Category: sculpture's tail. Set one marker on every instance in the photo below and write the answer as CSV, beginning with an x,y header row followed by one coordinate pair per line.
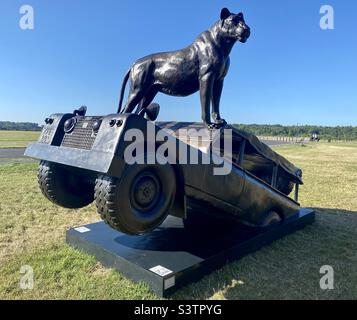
x,y
122,90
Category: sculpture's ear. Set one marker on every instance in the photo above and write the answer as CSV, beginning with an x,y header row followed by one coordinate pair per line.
x,y
225,13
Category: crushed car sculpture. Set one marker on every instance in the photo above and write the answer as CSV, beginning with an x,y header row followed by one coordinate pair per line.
x,y
82,159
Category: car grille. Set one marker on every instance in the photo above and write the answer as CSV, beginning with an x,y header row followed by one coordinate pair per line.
x,y
82,136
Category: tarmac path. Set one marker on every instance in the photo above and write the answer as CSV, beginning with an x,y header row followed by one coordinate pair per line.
x,y
14,156
271,143
12,153
17,155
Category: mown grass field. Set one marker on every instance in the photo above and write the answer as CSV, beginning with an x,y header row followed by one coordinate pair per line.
x,y
17,139
32,233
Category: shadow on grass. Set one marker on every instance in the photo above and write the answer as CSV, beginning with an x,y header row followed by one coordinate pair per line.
x,y
289,268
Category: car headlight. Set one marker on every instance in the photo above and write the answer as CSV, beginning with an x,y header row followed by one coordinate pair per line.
x,y
96,126
69,125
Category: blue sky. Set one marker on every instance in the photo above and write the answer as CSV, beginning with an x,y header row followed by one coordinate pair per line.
x,y
290,71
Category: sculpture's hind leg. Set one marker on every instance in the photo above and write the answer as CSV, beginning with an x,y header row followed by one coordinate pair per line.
x,y
134,98
141,84
148,98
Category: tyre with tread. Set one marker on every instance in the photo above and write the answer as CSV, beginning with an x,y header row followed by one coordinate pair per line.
x,y
63,187
139,201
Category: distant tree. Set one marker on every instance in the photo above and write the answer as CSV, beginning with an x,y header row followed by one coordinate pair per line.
x,y
19,126
333,133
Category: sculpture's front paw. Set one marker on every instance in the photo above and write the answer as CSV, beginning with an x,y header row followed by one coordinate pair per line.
x,y
220,123
210,125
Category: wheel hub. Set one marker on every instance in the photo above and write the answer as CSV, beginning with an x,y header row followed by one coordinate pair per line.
x,y
145,192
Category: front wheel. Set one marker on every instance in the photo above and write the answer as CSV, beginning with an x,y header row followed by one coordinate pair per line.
x,y
139,201
63,187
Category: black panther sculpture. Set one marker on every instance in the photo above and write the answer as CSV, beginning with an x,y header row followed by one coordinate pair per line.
x,y
201,66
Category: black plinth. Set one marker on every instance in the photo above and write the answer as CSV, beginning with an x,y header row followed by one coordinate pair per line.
x,y
172,256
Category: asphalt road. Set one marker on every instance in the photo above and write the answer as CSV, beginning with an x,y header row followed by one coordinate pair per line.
x,y
12,153
275,142
19,153
14,156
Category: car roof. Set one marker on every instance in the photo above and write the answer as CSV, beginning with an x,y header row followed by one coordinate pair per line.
x,y
185,131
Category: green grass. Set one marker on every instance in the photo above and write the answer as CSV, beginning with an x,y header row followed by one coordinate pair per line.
x,y
32,233
17,139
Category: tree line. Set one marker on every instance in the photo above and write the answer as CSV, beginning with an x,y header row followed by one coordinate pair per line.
x,y
326,133
19,126
276,130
